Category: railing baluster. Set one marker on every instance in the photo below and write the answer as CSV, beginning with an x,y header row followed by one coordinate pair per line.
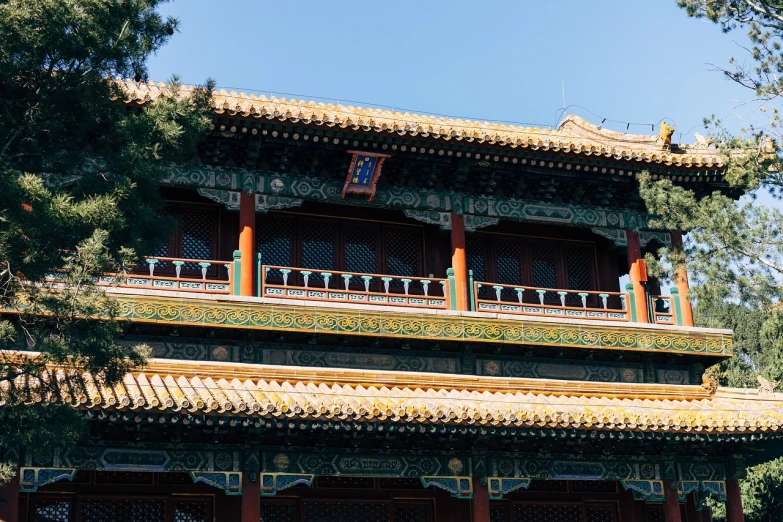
x,y
326,276
604,300
285,273
366,280
177,267
498,291
347,279
520,292
562,298
583,296
386,281
228,270
305,276
425,283
406,285
204,267
541,294
151,263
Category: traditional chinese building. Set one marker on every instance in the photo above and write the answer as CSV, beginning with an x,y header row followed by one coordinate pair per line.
x,y
378,316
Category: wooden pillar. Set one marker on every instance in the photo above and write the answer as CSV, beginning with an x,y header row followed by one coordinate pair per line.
x,y
734,502
690,509
247,240
9,509
671,503
251,497
681,281
458,260
637,273
480,503
632,510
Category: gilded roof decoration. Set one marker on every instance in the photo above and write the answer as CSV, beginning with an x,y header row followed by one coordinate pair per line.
x,y
212,388
573,134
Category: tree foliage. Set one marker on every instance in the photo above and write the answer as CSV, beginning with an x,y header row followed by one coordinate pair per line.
x,y
79,177
734,246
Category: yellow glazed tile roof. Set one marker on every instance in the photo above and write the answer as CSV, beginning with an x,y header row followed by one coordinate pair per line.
x,y
573,135
210,388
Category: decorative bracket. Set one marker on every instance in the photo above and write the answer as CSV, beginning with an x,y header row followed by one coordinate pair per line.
x,y
685,488
230,200
703,489
271,483
459,487
664,238
499,486
33,478
649,490
364,173
443,219
229,481
617,235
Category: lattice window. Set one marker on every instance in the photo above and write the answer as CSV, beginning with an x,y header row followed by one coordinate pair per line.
x,y
549,485
543,267
546,513
402,252
476,258
497,513
507,254
192,512
52,511
278,512
345,482
578,267
123,477
412,513
593,486
344,512
654,514
318,245
274,242
361,251
399,483
600,514
175,478
196,236
123,510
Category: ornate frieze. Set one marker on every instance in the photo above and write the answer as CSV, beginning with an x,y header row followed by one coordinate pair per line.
x,y
271,483
499,486
459,487
30,479
648,490
403,198
566,334
229,481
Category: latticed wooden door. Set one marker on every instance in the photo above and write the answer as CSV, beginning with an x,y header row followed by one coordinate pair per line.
x,y
553,512
346,511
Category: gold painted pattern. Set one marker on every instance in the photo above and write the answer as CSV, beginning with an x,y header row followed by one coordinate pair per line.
x,y
365,396
262,316
573,135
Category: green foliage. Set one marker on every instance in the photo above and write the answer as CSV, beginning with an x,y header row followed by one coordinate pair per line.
x,y
79,178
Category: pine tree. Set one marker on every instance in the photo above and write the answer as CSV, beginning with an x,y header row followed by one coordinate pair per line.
x,y
79,177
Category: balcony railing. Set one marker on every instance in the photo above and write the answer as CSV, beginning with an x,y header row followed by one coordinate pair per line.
x,y
170,276
550,302
353,287
662,309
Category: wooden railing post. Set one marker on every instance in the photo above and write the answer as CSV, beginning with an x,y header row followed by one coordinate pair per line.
x,y
247,239
459,260
237,271
637,273
681,280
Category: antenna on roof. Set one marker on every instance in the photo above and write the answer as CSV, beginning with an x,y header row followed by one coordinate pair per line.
x,y
562,85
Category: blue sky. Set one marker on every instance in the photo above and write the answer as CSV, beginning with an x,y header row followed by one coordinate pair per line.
x,y
497,60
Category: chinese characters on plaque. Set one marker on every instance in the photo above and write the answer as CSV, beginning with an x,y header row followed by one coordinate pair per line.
x,y
364,173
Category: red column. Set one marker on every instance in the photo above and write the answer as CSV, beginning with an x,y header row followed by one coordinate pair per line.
x,y
480,503
458,260
690,509
671,503
632,510
681,281
637,273
251,497
9,510
734,502
247,239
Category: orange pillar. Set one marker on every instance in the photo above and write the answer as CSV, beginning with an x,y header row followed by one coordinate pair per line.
x,y
637,273
251,497
480,503
671,504
9,509
681,281
734,502
458,260
247,240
